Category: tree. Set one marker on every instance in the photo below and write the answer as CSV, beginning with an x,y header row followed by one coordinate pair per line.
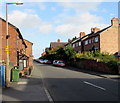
x,y
69,53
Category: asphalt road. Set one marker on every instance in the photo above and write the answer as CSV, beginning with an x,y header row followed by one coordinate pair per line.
x,y
68,85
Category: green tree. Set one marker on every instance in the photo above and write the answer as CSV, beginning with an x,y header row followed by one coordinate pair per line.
x,y
69,53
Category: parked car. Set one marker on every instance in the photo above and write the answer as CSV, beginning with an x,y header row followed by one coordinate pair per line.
x,y
54,62
45,61
41,60
49,62
59,63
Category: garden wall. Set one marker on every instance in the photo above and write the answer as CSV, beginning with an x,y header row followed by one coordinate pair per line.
x,y
94,66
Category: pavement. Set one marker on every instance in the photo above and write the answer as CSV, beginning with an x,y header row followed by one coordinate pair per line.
x,y
31,88
101,74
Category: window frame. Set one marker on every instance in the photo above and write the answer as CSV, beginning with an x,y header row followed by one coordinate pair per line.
x,y
96,39
86,42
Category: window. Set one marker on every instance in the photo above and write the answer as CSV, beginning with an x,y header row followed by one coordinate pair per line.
x,y
73,45
86,42
25,63
79,43
96,39
90,41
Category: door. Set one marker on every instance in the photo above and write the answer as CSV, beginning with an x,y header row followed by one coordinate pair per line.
x,y
21,65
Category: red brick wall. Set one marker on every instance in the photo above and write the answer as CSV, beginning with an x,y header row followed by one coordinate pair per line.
x,y
12,43
29,52
89,46
94,66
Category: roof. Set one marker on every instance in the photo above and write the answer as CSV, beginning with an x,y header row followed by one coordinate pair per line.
x,y
91,35
54,44
20,35
28,41
97,33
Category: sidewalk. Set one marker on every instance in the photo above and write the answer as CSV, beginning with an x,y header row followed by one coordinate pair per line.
x,y
104,75
27,89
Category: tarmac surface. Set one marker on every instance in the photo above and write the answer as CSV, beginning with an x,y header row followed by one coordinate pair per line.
x,y
32,88
27,89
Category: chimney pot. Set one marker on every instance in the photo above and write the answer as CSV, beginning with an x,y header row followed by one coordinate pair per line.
x,y
115,22
69,40
94,30
82,34
58,40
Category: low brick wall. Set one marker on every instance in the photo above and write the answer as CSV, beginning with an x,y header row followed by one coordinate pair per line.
x,y
93,65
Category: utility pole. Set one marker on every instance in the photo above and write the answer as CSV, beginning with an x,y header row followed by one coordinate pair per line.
x,y
7,70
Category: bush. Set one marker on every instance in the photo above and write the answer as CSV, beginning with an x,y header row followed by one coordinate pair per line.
x,y
105,58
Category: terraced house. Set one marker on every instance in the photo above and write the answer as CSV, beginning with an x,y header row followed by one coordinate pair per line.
x,y
105,40
18,47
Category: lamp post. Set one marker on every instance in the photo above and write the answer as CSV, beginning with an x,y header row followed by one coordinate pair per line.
x,y
7,71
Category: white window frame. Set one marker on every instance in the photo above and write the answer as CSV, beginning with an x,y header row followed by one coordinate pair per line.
x,y
90,41
96,39
25,63
73,45
79,43
86,42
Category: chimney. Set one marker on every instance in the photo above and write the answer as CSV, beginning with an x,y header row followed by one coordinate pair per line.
x,y
94,30
58,40
69,40
82,34
115,22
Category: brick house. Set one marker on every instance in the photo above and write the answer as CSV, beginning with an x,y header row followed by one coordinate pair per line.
x,y
17,46
55,44
105,40
29,52
78,43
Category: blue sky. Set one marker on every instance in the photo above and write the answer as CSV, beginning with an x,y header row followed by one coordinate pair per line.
x,y
45,22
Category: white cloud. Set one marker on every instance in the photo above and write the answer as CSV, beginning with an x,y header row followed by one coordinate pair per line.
x,y
81,6
83,22
29,11
53,8
42,6
45,28
24,20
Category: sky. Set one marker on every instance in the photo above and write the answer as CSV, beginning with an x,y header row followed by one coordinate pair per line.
x,y
45,21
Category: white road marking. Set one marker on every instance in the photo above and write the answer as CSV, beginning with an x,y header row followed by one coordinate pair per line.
x,y
46,91
94,85
48,95
22,83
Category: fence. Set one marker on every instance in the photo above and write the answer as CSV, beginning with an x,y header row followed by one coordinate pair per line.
x,y
2,75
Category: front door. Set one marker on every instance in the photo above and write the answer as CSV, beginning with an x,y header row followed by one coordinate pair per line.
x,y
21,65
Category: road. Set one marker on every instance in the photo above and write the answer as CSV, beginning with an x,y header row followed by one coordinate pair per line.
x,y
68,85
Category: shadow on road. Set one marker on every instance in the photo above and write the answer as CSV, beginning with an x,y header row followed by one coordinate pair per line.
x,y
28,89
62,88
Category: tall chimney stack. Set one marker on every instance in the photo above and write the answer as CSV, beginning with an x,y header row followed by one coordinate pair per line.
x,y
58,40
94,30
69,40
115,22
82,34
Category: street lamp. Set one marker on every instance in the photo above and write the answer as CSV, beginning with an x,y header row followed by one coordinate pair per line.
x,y
7,71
